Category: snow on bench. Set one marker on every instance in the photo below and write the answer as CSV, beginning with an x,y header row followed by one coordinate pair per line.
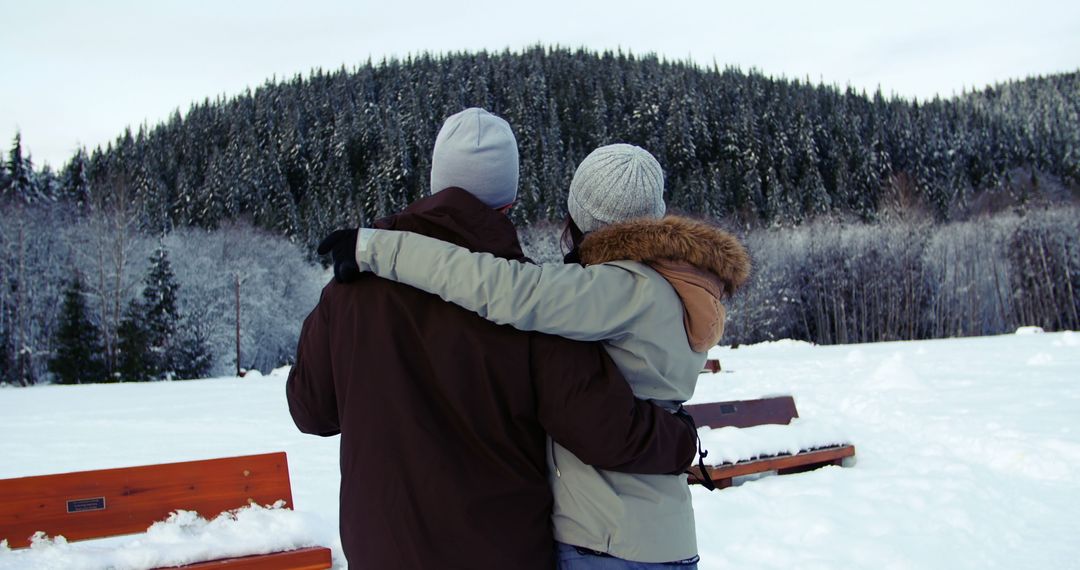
x,y
166,503
749,437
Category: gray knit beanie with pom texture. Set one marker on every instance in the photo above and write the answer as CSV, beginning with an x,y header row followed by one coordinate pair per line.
x,y
477,152
616,183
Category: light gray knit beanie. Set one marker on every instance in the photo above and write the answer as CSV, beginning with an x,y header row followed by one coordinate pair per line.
x,y
616,183
476,151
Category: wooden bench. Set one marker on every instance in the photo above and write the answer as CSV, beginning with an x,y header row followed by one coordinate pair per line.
x,y
748,413
113,502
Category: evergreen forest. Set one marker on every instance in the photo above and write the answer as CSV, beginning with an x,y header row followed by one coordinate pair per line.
x,y
869,216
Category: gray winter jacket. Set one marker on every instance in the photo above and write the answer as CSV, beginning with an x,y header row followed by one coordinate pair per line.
x,y
651,291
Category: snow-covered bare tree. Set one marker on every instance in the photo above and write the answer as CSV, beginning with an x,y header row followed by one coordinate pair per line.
x,y
278,289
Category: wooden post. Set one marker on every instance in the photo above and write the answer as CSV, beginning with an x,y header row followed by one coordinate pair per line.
x,y
237,276
20,310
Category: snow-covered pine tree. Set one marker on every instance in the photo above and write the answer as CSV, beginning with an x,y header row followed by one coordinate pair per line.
x,y
20,183
77,353
133,362
5,179
75,181
192,357
148,330
162,318
47,183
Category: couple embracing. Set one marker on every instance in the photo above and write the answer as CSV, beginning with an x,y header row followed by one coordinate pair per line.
x,y
496,413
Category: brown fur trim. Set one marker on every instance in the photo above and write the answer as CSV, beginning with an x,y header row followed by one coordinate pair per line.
x,y
673,237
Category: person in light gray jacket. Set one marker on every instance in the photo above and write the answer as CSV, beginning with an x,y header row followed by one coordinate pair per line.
x,y
647,285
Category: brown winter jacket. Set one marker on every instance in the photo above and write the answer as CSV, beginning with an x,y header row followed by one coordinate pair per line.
x,y
443,415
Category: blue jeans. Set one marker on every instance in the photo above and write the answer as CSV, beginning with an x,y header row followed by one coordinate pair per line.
x,y
574,558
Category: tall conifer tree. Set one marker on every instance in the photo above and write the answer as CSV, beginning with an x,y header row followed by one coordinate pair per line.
x,y
134,363
162,318
20,182
77,357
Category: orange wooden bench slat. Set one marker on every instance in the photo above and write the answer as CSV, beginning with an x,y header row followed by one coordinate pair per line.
x,y
312,558
111,502
778,410
803,461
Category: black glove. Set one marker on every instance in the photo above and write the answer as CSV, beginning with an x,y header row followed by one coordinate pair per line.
x,y
341,245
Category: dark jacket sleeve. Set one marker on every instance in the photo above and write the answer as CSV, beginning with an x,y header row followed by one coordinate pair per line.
x,y
310,388
587,406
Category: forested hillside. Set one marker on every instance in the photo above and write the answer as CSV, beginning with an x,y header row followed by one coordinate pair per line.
x,y
302,156
869,217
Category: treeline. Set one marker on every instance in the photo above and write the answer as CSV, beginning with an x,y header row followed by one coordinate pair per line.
x,y
89,297
912,280
869,217
305,155
832,282
908,280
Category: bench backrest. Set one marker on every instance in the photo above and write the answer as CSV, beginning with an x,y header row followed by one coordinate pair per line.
x,y
745,413
111,502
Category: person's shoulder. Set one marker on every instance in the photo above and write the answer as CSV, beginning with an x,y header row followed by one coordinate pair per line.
x,y
645,275
364,287
643,282
627,265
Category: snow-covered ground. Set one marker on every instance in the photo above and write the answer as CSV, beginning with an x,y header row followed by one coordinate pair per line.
x,y
968,453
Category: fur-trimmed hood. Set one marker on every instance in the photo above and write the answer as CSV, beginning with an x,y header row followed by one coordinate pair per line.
x,y
673,238
702,263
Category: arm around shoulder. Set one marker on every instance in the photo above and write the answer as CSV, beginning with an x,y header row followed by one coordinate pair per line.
x,y
582,303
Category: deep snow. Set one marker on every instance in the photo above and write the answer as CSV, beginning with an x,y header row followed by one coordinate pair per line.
x,y
968,450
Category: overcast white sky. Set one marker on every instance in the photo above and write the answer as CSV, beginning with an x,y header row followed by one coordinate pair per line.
x,y
76,72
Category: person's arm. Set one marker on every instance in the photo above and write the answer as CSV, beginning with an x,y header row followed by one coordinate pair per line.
x,y
587,407
310,387
598,302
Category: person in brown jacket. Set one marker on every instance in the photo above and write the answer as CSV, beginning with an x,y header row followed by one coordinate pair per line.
x,y
444,416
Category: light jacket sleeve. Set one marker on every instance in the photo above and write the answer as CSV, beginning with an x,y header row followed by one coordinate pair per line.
x,y
598,302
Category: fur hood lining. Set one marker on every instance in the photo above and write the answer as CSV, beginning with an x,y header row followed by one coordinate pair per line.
x,y
672,238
